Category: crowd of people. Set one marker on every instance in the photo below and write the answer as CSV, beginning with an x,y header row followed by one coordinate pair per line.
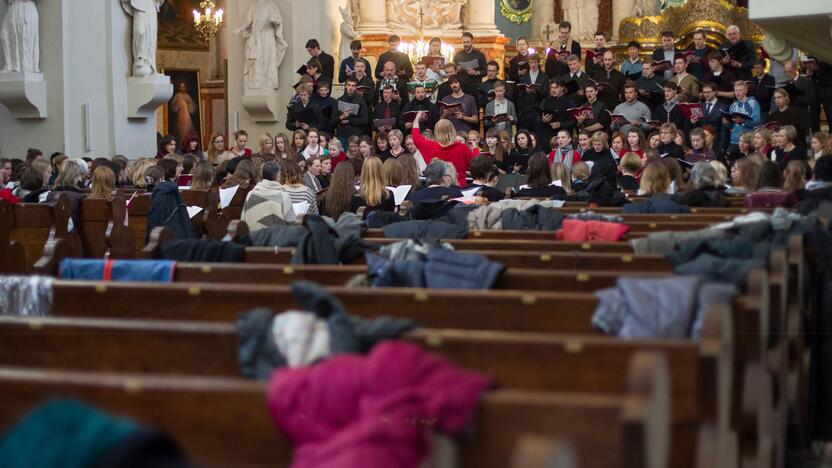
x,y
690,126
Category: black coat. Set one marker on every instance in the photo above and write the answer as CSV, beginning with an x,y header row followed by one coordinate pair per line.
x,y
167,209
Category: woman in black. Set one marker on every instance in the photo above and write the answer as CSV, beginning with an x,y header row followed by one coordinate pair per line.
x,y
518,160
600,159
786,150
539,181
786,114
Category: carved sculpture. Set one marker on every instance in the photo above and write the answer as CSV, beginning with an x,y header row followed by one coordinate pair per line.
x,y
265,47
348,33
19,38
145,27
430,14
583,14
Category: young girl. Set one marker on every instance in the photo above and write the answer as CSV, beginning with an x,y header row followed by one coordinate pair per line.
x,y
494,148
414,151
382,145
698,151
313,148
518,160
298,142
336,153
584,143
474,142
617,145
635,141
282,147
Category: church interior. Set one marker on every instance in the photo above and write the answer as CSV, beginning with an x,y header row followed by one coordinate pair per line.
x,y
416,233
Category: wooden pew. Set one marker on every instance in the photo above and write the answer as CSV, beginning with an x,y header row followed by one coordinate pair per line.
x,y
102,230
12,259
222,421
35,223
700,379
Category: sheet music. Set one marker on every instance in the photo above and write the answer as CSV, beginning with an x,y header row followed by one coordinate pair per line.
x,y
300,208
400,192
470,192
193,211
226,195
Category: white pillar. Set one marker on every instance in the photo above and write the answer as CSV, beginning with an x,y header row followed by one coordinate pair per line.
x,y
544,13
620,10
481,18
85,60
372,17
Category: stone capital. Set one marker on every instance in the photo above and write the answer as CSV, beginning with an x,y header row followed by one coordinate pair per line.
x,y
24,94
145,94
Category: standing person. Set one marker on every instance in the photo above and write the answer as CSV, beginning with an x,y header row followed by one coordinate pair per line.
x,y
722,78
650,87
468,117
745,115
420,102
576,76
445,147
740,54
763,85
518,65
631,66
398,85
470,74
422,79
347,68
801,94
669,111
613,78
435,68
688,86
601,118
313,148
403,68
530,91
821,75
698,64
560,51
388,108
593,60
326,103
313,47
554,115
666,53
500,106
349,123
366,85
787,114
303,114
486,92
712,110
637,113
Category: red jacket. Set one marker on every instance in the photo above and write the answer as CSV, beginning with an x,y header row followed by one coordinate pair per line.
x,y
457,154
336,160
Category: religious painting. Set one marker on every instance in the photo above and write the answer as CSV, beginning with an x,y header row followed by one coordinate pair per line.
x,y
516,11
176,26
183,113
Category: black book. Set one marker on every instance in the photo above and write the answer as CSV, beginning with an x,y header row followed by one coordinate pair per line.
x,y
737,51
572,87
306,115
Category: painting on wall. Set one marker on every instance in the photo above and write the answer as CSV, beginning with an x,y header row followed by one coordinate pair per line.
x,y
516,11
176,26
183,113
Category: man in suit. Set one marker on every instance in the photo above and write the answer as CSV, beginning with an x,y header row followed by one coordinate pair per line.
x,y
310,178
327,61
762,84
805,90
713,108
739,66
667,52
555,66
404,69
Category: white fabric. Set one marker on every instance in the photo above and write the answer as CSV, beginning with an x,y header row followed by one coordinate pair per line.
x,y
301,337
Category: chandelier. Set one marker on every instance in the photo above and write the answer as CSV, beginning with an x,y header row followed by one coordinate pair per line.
x,y
418,49
209,22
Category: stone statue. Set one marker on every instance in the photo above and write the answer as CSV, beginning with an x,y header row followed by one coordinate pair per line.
x,y
19,38
430,14
145,26
348,33
583,14
265,47
646,8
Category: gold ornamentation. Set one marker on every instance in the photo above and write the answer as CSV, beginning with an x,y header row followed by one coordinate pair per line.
x,y
516,11
712,16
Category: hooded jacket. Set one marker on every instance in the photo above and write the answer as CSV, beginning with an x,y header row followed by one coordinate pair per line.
x,y
168,209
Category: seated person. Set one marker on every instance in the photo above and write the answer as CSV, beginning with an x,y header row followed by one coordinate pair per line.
x,y
268,203
539,181
372,192
630,166
485,175
438,180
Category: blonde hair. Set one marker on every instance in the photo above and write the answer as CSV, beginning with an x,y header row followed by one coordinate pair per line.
x,y
263,138
560,171
600,137
393,172
630,162
137,174
372,187
721,173
444,132
103,183
580,170
71,173
794,176
655,179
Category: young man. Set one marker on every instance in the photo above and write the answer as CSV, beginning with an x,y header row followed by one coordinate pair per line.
x,y
666,52
498,106
631,67
763,85
471,77
712,108
346,123
637,113
518,65
466,119
387,108
575,75
403,67
600,47
347,67
613,78
601,120
326,103
303,114
420,102
486,92
313,47
366,85
530,91
553,114
740,65
389,78
555,61
688,86
422,79
698,64
669,111
650,87
745,105
444,88
722,78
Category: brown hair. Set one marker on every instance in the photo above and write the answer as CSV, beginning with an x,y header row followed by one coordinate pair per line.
x,y
203,176
794,177
103,183
747,174
655,179
340,192
244,174
290,173
540,175
410,170
392,172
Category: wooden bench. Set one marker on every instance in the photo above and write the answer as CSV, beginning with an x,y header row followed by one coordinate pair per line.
x,y
223,421
33,224
102,231
10,261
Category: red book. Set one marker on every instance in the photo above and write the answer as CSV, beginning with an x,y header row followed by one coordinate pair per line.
x,y
585,111
446,108
662,65
429,61
691,109
411,116
618,119
593,56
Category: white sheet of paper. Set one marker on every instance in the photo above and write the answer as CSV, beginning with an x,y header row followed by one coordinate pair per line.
x,y
227,194
193,211
557,183
400,192
300,208
590,164
470,192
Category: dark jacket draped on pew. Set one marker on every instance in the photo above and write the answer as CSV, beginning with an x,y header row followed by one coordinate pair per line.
x,y
168,209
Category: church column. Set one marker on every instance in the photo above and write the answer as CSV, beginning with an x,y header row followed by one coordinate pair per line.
x,y
372,17
481,17
544,14
620,10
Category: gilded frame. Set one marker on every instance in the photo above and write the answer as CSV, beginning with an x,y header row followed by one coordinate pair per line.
x,y
516,11
191,77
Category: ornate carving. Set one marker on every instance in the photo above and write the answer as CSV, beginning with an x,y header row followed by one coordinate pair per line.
x,y
710,15
516,11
